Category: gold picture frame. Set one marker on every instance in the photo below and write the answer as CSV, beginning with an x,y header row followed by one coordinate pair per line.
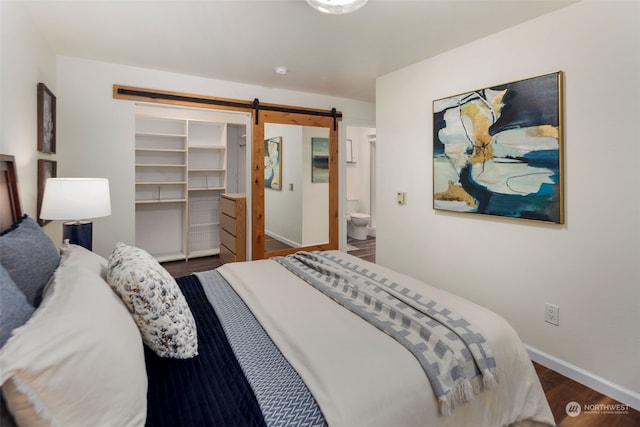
x,y
499,150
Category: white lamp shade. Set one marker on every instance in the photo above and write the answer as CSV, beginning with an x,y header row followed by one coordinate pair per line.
x,y
337,7
75,198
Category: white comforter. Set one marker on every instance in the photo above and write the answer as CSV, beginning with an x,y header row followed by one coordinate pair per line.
x,y
360,376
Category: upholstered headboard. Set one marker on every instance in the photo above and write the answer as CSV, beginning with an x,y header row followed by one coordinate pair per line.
x,y
10,207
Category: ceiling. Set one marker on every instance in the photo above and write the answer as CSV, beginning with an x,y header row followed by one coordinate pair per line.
x,y
244,40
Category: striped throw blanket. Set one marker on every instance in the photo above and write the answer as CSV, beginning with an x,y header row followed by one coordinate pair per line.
x,y
456,358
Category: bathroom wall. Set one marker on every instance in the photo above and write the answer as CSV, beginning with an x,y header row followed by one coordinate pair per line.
x,y
359,172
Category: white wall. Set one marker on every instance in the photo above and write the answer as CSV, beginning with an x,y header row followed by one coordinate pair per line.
x,y
96,131
25,61
298,213
283,208
315,199
590,266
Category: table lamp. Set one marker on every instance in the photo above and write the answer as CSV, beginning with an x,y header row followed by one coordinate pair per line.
x,y
76,200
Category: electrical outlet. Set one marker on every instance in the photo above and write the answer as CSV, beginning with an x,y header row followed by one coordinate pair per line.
x,y
552,314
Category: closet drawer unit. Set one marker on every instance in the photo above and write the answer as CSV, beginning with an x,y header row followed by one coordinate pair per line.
x,y
229,204
228,240
233,227
228,223
226,255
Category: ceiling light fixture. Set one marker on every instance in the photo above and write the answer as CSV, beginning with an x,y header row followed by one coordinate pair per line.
x,y
337,7
280,70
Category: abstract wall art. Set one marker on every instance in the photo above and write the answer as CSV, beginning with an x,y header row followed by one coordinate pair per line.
x,y
319,159
273,163
498,150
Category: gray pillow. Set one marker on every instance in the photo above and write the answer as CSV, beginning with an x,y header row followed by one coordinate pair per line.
x,y
14,308
29,256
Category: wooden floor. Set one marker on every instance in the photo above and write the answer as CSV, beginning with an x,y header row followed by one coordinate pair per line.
x,y
559,390
365,249
272,244
194,265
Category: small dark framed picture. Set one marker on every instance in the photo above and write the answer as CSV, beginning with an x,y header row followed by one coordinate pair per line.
x,y
46,169
46,119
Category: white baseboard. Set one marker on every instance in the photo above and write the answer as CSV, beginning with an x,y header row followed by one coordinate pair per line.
x,y
371,231
599,384
282,239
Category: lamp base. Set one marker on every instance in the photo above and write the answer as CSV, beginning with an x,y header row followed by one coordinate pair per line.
x,y
78,233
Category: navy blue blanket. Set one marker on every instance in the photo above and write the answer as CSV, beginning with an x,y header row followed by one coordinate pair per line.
x,y
208,390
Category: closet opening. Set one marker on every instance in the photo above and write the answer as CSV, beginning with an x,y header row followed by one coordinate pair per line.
x,y
322,155
185,160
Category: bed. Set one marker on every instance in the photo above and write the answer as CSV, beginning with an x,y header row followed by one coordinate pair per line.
x,y
280,342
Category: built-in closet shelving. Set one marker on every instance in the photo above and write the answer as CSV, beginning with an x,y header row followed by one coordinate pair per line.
x,y
207,171
180,172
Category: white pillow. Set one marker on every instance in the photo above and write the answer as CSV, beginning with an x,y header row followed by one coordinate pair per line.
x,y
155,302
79,360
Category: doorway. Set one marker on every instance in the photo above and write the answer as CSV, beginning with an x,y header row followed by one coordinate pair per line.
x,y
360,191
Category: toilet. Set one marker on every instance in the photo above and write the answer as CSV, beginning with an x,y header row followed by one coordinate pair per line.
x,y
357,224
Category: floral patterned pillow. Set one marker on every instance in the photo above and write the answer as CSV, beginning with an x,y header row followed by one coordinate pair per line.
x,y
155,301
